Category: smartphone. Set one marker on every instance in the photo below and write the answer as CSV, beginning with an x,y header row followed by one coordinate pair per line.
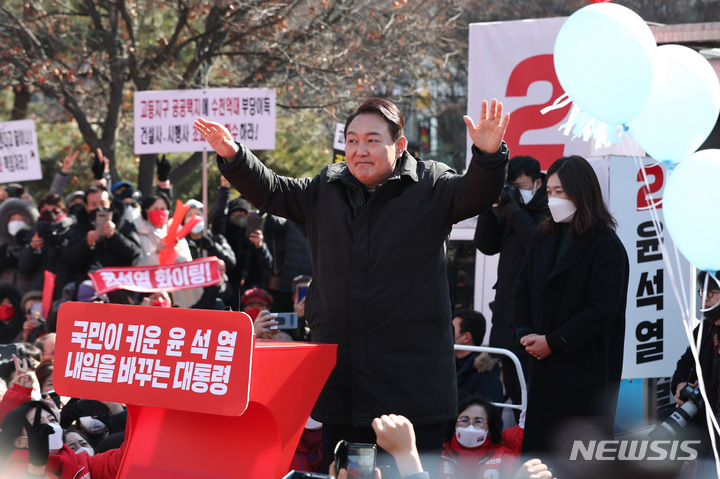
x,y
306,475
7,351
301,291
358,459
102,217
255,221
36,312
285,321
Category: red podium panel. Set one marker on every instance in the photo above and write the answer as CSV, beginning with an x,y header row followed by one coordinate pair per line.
x,y
165,442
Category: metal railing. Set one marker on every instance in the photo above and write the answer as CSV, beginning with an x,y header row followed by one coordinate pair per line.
x,y
515,360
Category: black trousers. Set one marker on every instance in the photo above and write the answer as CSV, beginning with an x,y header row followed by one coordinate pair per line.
x,y
428,439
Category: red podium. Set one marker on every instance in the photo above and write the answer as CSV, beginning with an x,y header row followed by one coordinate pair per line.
x,y
204,399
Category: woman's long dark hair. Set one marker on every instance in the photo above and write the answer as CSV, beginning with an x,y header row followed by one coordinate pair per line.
x,y
580,182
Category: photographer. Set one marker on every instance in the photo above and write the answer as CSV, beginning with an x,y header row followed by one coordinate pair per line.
x,y
46,248
686,374
507,228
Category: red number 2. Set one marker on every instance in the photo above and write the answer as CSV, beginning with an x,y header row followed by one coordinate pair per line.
x,y
528,71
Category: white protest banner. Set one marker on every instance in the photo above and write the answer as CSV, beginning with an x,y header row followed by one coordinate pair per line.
x,y
654,334
19,155
198,273
164,119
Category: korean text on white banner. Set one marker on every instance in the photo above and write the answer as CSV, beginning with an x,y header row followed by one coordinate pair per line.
x,y
513,62
164,119
19,156
654,334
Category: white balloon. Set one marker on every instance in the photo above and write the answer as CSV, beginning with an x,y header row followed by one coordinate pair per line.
x,y
690,204
683,105
603,61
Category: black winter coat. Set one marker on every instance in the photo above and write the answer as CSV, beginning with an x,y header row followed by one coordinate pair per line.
x,y
511,238
579,304
380,289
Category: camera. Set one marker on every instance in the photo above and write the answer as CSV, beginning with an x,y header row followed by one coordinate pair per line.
x,y
358,459
53,232
680,417
14,191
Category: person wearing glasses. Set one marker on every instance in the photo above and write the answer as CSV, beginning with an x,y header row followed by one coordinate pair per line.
x,y
686,373
475,448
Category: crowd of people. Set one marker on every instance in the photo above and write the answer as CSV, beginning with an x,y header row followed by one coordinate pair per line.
x,y
358,253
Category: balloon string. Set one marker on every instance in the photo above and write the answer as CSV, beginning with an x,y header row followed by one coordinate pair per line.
x,y
681,297
560,102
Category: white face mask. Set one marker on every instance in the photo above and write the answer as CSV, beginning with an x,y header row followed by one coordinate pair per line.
x,y
562,210
16,225
55,442
85,449
470,436
92,425
527,195
199,227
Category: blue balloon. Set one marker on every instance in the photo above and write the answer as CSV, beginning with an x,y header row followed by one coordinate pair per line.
x,y
684,81
603,60
690,204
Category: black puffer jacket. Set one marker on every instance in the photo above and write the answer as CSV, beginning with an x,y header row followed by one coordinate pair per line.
x,y
380,289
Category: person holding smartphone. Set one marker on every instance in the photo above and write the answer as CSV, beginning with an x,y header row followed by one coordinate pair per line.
x,y
98,237
34,324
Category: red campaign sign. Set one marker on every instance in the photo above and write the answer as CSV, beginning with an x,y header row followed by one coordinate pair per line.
x,y
198,273
184,359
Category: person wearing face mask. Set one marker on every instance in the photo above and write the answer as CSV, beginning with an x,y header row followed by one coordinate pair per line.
x,y
152,227
17,223
252,255
569,311
686,371
99,243
46,250
77,441
31,445
475,448
203,243
507,229
11,314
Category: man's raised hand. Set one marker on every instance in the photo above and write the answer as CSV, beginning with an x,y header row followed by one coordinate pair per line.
x,y
218,137
487,135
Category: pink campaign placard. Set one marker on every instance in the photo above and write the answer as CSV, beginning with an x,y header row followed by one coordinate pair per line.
x,y
198,273
185,359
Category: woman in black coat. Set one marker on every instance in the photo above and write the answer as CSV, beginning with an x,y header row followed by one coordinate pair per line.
x,y
569,309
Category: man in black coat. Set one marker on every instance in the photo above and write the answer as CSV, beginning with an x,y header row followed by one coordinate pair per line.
x,y
111,245
507,228
377,226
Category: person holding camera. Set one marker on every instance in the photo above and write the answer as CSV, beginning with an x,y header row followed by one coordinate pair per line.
x,y
507,229
17,224
684,383
377,227
47,246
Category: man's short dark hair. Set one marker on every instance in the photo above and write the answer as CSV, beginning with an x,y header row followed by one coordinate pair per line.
x,y
386,109
95,189
472,322
51,199
523,165
712,282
